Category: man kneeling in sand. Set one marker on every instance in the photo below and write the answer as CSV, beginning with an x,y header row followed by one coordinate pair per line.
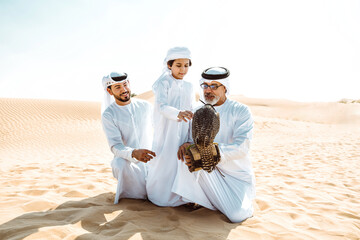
x,y
231,187
127,126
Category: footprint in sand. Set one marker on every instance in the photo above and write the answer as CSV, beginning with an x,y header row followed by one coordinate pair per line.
x,y
173,217
262,204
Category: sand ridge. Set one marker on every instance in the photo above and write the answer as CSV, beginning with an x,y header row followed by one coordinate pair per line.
x,y
56,180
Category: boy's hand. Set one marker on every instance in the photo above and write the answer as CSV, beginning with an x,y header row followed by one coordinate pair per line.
x,y
185,115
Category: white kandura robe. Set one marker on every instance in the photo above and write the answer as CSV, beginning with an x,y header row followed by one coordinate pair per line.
x,y
127,128
171,97
232,194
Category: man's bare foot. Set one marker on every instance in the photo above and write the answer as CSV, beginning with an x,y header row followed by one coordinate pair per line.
x,y
193,206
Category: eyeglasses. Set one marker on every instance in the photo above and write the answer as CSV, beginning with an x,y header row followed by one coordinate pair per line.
x,y
213,87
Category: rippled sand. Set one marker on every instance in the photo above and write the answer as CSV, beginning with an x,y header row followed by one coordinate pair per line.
x,y
56,180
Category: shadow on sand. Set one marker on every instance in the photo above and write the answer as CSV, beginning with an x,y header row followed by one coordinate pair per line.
x,y
99,218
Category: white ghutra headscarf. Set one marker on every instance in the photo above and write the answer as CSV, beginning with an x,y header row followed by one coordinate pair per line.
x,y
107,81
176,53
172,54
218,74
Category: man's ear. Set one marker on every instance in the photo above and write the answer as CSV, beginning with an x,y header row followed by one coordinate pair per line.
x,y
109,91
168,66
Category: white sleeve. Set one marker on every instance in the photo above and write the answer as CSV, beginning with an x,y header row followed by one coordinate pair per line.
x,y
161,96
242,135
114,138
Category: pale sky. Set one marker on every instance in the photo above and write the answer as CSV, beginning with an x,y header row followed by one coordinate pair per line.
x,y
306,50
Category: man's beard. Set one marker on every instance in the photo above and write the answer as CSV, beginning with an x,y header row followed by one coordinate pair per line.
x,y
212,102
123,99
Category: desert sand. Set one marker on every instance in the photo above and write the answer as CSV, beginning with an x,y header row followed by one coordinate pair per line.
x,y
56,180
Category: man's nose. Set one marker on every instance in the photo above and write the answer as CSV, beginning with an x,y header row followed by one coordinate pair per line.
x,y
208,89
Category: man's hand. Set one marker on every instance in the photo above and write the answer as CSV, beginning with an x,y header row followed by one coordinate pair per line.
x,y
143,155
188,160
185,115
182,151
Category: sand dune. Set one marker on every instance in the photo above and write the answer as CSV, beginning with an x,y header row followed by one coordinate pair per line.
x,y
56,180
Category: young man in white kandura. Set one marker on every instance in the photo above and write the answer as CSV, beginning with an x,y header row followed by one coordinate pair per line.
x,y
127,123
